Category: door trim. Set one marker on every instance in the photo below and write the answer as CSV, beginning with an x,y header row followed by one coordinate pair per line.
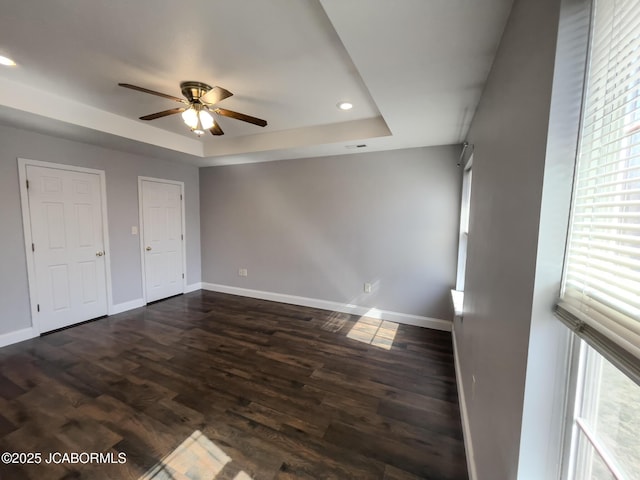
x,y
141,232
26,226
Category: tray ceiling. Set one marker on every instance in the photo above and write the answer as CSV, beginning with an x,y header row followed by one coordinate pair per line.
x,y
414,71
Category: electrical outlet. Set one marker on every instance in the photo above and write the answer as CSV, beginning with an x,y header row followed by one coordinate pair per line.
x,y
367,288
242,272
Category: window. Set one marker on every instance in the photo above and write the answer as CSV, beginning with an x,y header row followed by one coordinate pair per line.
x,y
600,298
607,422
601,291
465,206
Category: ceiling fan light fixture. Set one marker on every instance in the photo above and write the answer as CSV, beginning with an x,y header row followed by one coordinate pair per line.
x,y
206,120
190,117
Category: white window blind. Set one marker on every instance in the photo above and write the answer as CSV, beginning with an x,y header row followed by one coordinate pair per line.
x,y
601,285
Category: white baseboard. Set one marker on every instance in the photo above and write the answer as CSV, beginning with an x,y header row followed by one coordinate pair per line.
x,y
466,429
17,336
27,333
123,307
193,287
404,318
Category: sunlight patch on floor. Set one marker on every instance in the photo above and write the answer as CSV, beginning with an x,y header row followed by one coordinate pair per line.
x,y
335,322
196,458
374,331
242,476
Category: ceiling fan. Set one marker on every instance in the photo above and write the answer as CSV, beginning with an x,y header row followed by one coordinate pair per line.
x,y
200,99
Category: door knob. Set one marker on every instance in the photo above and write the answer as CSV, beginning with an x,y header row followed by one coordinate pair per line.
x,y
99,254
148,249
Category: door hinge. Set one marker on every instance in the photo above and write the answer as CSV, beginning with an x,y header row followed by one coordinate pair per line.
x,y
183,275
33,247
180,196
27,184
182,236
38,307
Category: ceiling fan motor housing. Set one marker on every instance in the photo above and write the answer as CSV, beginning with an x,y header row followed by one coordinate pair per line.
x,y
193,91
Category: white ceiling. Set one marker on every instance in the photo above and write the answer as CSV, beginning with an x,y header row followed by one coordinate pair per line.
x,y
414,70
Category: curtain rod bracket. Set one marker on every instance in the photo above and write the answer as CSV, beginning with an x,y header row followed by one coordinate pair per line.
x,y
465,145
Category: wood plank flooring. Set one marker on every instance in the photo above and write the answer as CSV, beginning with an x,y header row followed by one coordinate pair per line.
x,y
214,386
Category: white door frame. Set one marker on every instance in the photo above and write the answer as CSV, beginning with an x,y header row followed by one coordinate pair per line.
x,y
141,232
26,225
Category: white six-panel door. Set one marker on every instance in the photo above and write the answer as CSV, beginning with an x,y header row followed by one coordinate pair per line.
x,y
162,238
68,246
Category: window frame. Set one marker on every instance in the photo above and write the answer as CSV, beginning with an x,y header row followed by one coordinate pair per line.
x,y
585,345
465,216
583,359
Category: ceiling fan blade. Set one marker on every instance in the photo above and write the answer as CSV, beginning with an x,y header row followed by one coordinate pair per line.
x,y
241,116
164,113
152,92
215,95
216,130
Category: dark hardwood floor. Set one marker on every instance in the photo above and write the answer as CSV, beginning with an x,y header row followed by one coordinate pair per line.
x,y
214,386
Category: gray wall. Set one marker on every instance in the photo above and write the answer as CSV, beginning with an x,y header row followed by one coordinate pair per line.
x,y
322,227
122,170
509,132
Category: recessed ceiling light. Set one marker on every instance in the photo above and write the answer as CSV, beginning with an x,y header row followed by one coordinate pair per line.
x,y
7,61
345,106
